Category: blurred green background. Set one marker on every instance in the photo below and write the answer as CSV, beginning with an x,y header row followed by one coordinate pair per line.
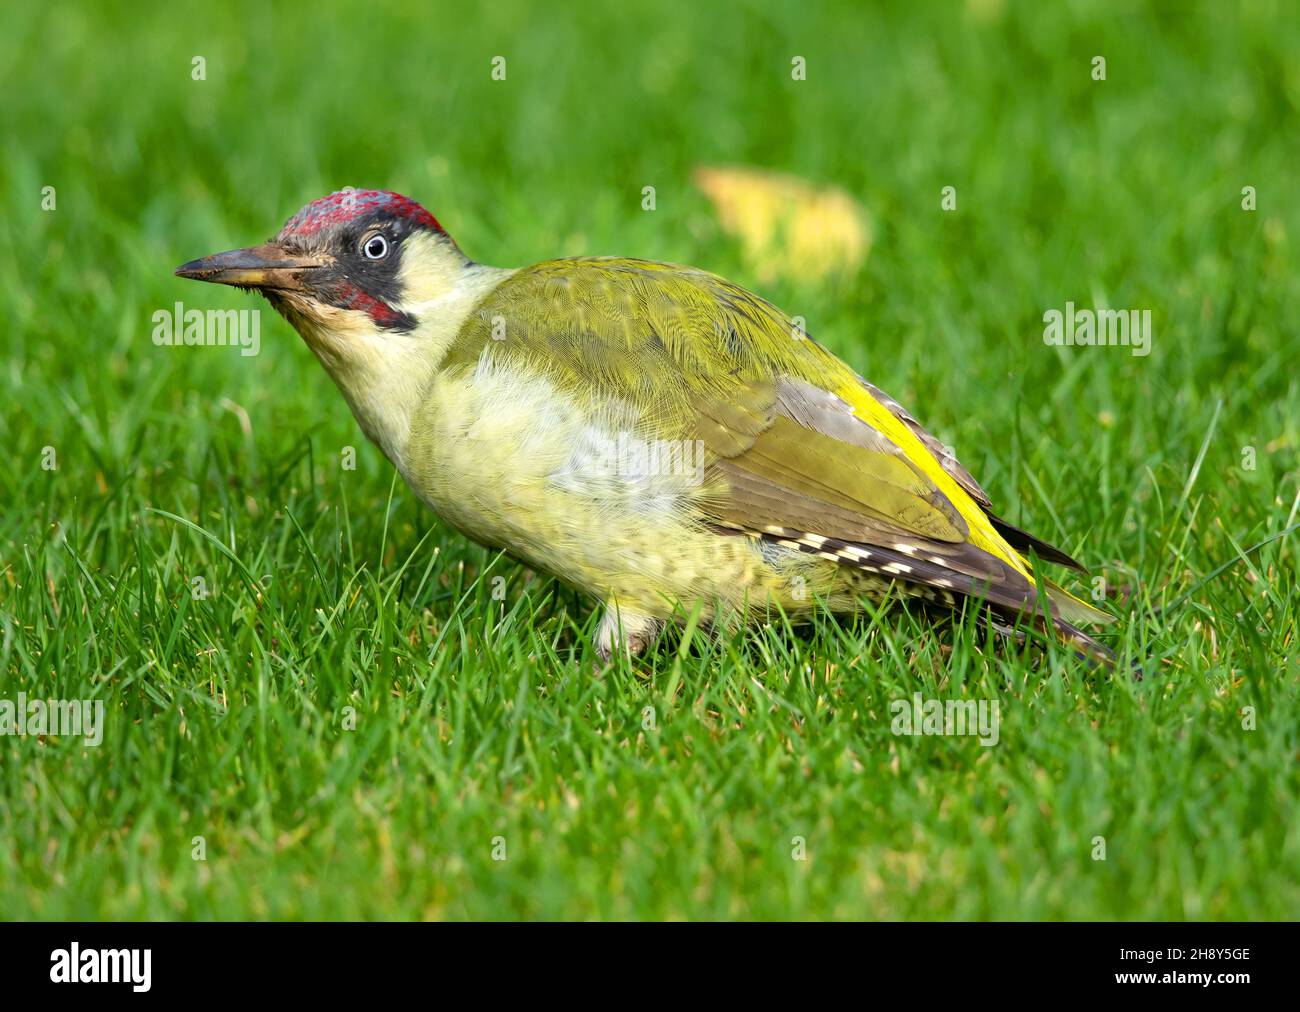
x,y
479,719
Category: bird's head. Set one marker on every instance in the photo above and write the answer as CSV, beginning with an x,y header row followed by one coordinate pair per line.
x,y
375,287
351,267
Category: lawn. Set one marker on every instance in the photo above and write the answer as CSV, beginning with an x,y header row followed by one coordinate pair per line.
x,y
318,701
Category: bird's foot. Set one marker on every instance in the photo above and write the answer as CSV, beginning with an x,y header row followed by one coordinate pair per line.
x,y
633,631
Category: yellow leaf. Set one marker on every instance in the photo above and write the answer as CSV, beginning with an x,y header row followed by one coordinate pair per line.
x,y
787,225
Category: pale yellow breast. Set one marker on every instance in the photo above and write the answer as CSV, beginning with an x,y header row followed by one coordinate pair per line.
x,y
585,493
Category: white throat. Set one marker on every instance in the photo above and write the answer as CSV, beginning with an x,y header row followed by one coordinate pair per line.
x,y
383,374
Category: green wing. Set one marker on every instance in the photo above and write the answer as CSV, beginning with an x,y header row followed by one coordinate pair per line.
x,y
799,448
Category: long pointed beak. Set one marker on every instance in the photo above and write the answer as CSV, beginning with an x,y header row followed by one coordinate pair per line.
x,y
267,266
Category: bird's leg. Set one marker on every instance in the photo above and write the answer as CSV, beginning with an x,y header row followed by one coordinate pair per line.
x,y
632,629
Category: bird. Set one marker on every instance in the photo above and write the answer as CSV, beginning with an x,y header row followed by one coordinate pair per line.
x,y
651,434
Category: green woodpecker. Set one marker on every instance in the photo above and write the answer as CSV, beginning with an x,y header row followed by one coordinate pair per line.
x,y
652,434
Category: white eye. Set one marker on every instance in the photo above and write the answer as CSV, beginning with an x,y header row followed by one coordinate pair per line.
x,y
375,248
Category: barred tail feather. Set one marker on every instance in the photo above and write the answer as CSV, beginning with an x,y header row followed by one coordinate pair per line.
x,y
947,569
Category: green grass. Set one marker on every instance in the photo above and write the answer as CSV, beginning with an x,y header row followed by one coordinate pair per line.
x,y
478,717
